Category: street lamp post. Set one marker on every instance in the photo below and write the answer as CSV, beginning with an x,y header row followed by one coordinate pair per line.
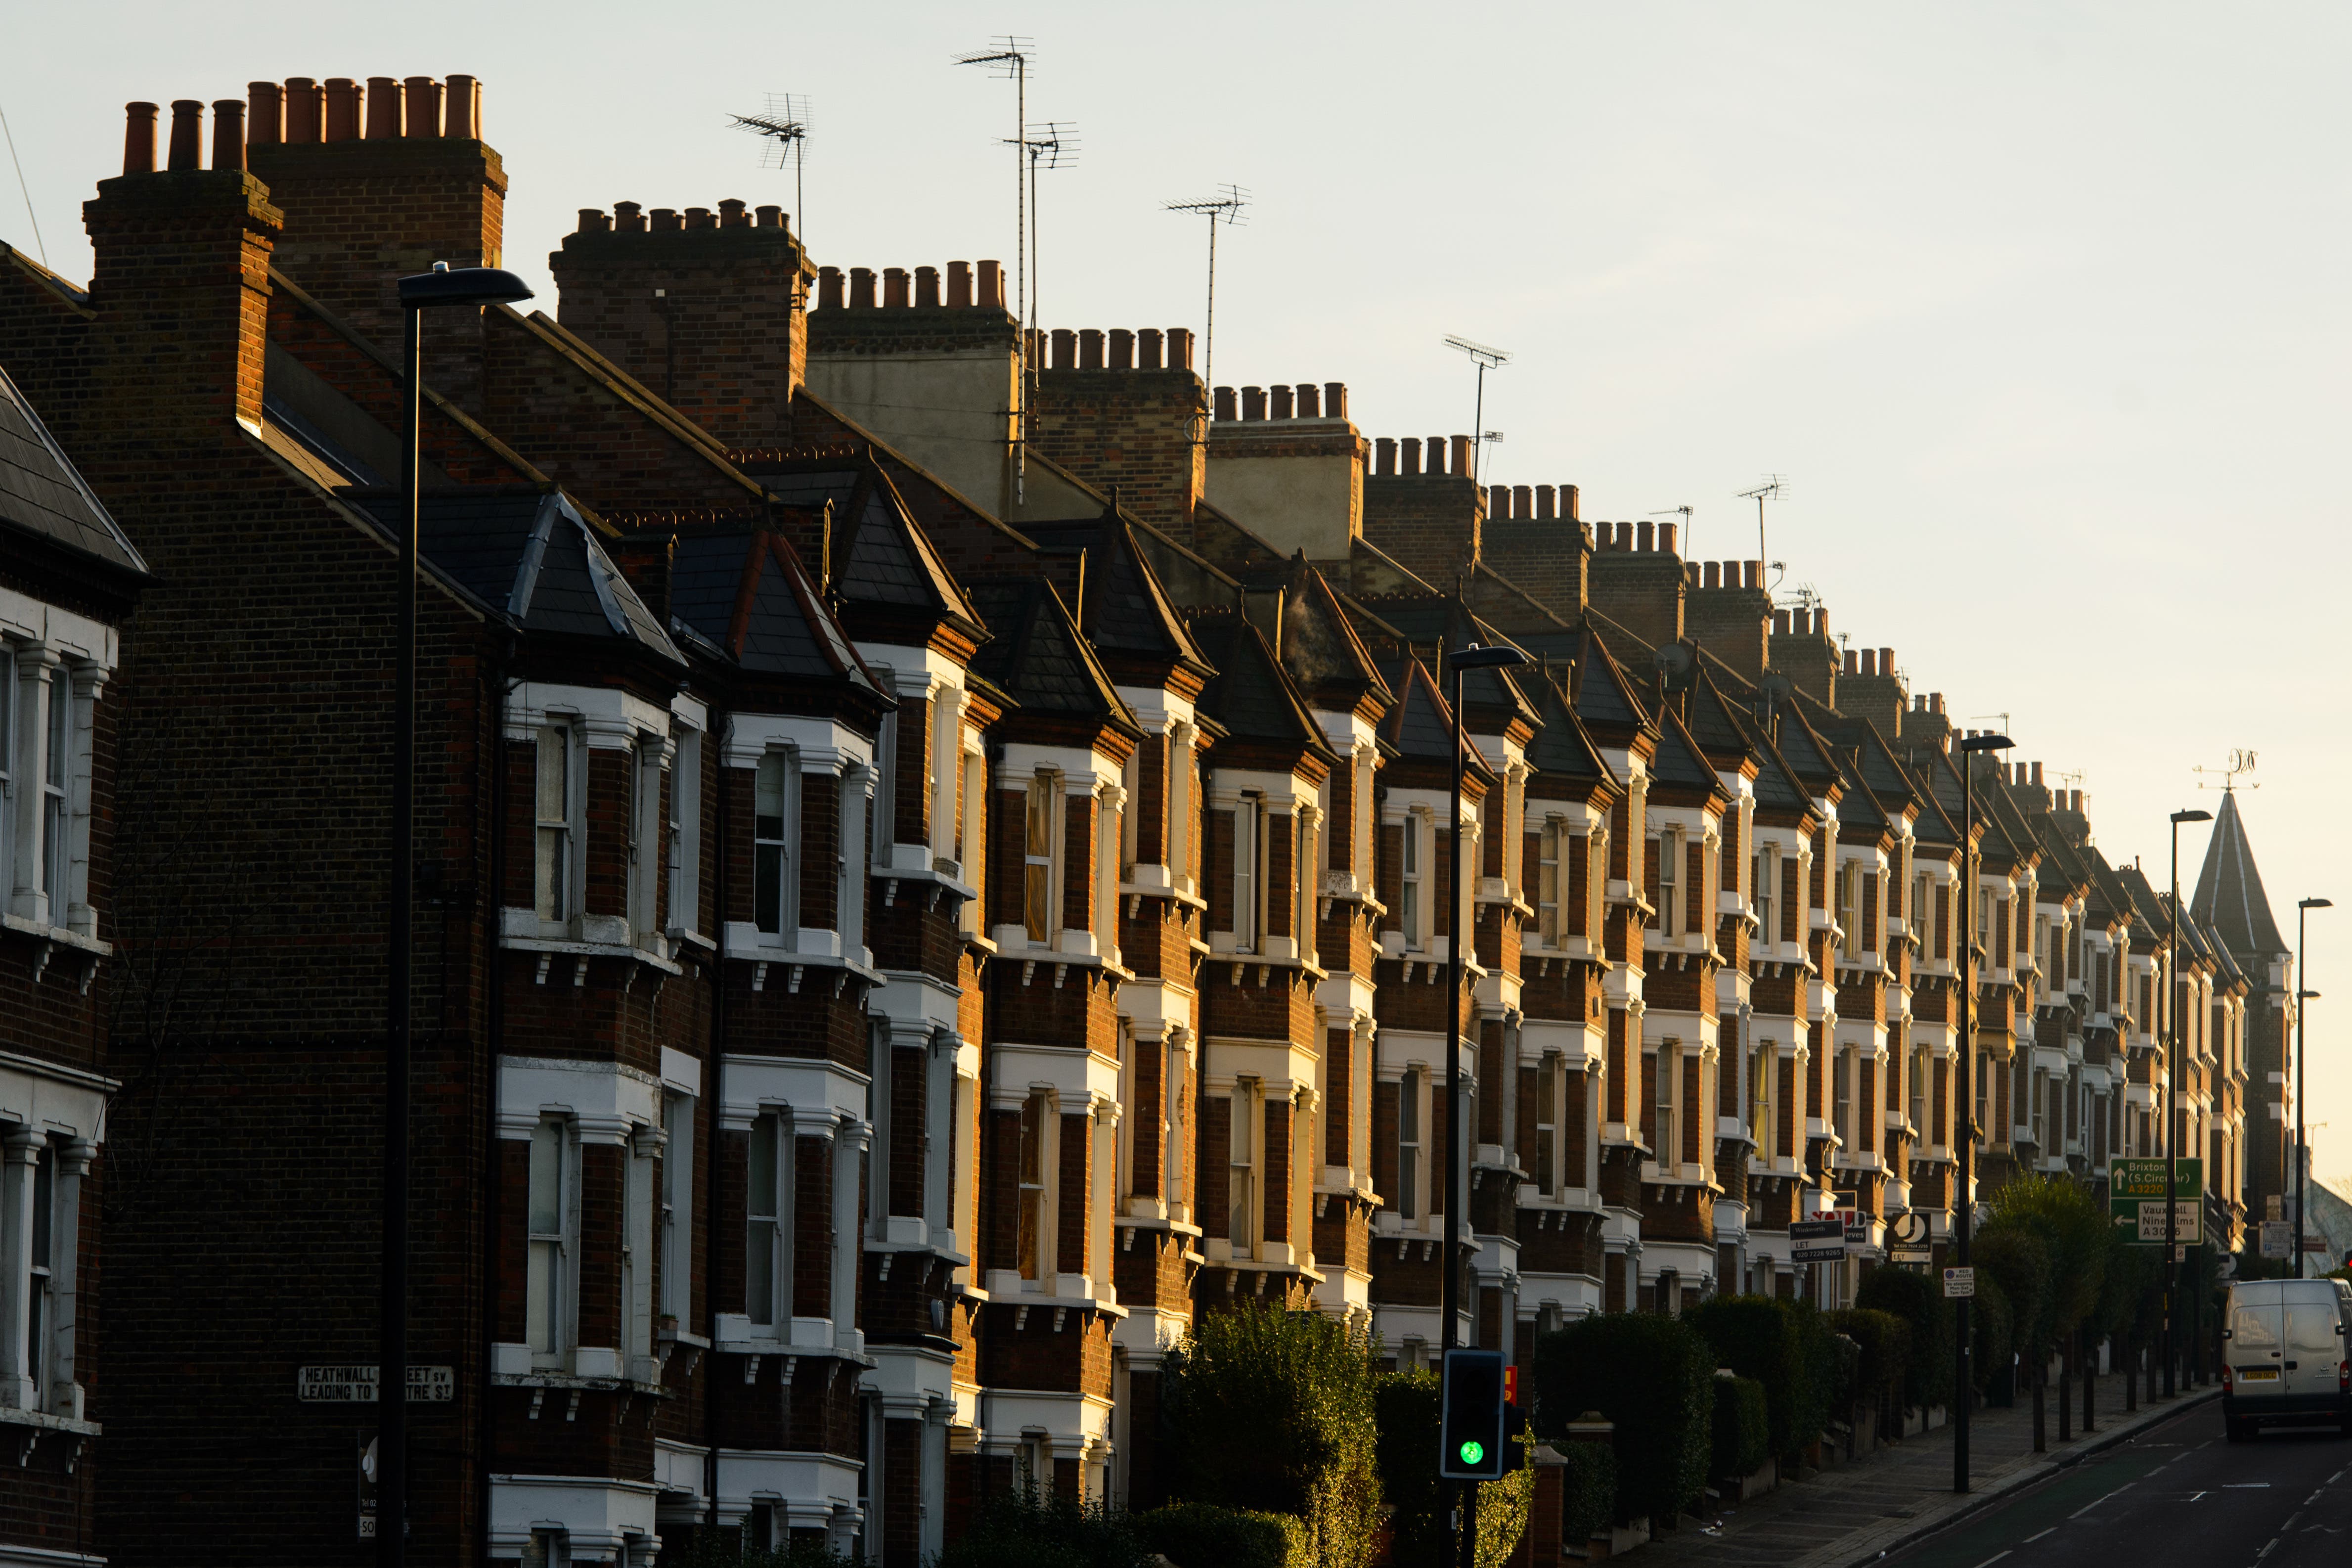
x,y
1964,1106
1459,663
2302,1153
2171,1037
444,287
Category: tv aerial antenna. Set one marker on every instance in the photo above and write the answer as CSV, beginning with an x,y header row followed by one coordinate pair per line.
x,y
1684,511
1774,488
1010,57
782,127
1486,359
1225,205
2240,762
1053,145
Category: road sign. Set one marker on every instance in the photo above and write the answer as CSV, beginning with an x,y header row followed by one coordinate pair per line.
x,y
1961,1284
2278,1239
2185,1230
355,1384
2136,1193
1817,1240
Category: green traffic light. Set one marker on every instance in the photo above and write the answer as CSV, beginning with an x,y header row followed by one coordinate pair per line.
x,y
1473,1451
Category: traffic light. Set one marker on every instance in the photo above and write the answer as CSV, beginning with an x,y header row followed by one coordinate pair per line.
x,y
1515,1429
1470,1446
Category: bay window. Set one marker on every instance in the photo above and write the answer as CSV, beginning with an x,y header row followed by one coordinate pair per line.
x,y
1409,901
775,847
767,1217
554,1239
1249,859
1042,851
555,879
40,1216
1666,1126
684,838
1241,1185
1039,1154
1409,1144
1670,855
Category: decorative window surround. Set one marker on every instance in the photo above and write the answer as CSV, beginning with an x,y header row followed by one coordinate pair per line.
x,y
601,1520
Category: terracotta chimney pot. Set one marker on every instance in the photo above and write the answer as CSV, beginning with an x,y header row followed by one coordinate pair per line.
x,y
1335,400
424,107
306,110
346,108
992,286
1384,455
187,133
1310,401
265,113
461,110
1408,456
1283,408
383,108
896,295
959,285
1122,349
1147,350
1090,348
861,288
139,139
1253,403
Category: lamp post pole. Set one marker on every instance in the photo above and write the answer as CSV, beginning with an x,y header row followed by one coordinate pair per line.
x,y
2170,1012
471,286
1964,1128
2302,993
1457,665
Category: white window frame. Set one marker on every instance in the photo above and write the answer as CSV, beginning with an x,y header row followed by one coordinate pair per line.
x,y
558,867
1183,768
56,778
1175,1101
1249,872
1037,1158
1109,837
1305,882
1670,881
850,872
1665,1106
769,1228
776,841
881,823
1412,904
1244,1159
1922,1103
637,1254
971,829
1551,840
1841,1100
1763,1078
1551,1122
676,1218
642,848
684,833
1043,807
552,1296
1412,1120
1765,872
11,772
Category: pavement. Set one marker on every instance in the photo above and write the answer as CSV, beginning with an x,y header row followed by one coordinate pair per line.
x,y
1871,1509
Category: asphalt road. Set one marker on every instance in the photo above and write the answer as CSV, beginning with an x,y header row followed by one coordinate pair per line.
x,y
2177,1495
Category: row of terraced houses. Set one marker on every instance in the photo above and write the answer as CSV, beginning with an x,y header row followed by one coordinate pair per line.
x,y
933,851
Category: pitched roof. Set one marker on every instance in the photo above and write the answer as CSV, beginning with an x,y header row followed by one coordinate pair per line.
x,y
1127,610
1561,746
1603,700
528,555
42,494
1251,694
1036,656
745,592
2230,896
1420,726
1678,761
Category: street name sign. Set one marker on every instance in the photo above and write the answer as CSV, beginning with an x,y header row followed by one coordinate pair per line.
x,y
354,1383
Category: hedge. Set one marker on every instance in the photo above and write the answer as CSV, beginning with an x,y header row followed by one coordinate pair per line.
x,y
1883,1342
1915,1298
1758,1338
1654,1377
1027,1527
2020,1260
1588,1492
1202,1535
1742,1439
1405,1409
1991,1339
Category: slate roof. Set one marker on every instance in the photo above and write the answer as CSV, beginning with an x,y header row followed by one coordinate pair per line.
x,y
747,594
1127,610
1563,746
41,494
1678,761
1420,726
1035,655
1602,697
529,556
2230,896
1251,694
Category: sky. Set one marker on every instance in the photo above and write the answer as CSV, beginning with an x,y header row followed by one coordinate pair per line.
x,y
2039,308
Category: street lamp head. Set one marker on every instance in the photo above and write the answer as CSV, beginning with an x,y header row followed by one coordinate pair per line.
x,y
2192,816
2306,996
2315,903
1500,656
1988,742
448,285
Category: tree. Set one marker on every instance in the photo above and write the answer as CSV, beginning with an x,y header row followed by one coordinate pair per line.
x,y
1655,1378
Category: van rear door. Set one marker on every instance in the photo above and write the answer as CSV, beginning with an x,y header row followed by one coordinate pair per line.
x,y
2257,1344
2315,1344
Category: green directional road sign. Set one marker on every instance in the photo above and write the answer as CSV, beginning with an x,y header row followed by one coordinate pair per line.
x,y
2136,1199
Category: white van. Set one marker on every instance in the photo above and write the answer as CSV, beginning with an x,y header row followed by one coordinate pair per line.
x,y
2284,1354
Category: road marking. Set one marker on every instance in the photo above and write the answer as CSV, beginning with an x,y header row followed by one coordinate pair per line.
x,y
2089,1506
2243,1486
2265,1551
2290,1521
1989,1561
2031,1538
